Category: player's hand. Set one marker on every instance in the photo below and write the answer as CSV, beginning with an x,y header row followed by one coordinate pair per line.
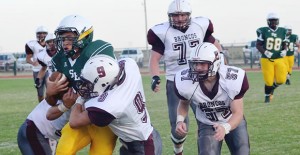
x,y
219,132
283,53
37,83
268,54
69,98
58,85
155,83
181,128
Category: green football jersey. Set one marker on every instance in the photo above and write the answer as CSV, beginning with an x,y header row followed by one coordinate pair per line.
x,y
72,68
273,40
291,42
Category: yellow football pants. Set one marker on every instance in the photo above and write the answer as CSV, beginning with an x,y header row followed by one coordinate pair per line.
x,y
273,70
102,140
289,61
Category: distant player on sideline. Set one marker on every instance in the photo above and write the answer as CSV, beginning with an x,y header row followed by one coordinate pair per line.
x,y
292,42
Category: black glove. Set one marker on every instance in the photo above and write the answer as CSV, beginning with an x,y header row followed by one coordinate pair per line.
x,y
155,81
37,83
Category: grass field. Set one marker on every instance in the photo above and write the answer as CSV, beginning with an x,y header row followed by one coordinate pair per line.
x,y
274,128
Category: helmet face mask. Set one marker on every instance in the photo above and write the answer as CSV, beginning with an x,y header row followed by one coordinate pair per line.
x,y
81,29
179,14
204,62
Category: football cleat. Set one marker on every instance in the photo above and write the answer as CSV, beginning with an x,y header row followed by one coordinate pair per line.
x,y
267,99
288,82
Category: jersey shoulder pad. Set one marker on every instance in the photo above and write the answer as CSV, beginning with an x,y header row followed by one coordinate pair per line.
x,y
231,79
184,84
98,47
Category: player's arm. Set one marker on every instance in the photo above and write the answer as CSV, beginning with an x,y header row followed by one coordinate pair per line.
x,y
156,54
182,112
79,117
68,101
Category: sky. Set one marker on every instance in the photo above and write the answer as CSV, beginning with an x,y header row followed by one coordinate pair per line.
x,y
122,22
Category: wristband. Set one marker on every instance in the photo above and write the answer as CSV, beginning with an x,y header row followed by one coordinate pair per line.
x,y
227,127
80,100
180,118
62,108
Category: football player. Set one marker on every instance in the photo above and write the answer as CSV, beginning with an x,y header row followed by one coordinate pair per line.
x,y
112,104
217,91
74,37
174,40
292,42
271,44
35,132
32,48
44,58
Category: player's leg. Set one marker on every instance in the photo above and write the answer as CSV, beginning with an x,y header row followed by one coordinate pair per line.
x,y
173,101
103,140
267,67
72,140
207,144
280,71
238,140
23,142
290,61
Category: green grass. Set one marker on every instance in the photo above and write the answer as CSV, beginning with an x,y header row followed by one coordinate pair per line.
x,y
273,128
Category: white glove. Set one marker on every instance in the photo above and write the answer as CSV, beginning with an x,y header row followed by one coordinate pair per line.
x,y
268,54
283,53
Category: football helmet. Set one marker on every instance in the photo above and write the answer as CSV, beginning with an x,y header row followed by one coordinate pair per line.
x,y
205,53
41,32
273,20
98,75
288,30
50,44
81,27
179,7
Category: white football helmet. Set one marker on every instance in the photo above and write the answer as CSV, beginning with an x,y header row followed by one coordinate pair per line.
x,y
179,7
204,53
288,29
98,75
80,26
41,33
50,36
273,16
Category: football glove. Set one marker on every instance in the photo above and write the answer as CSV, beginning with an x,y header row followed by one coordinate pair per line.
x,y
268,54
283,53
155,81
37,83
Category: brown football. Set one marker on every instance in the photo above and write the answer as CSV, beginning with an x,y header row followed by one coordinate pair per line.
x,y
52,78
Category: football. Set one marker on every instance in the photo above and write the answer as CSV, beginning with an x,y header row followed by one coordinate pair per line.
x,y
52,78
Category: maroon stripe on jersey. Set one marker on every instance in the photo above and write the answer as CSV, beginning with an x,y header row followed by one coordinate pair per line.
x,y
244,88
157,44
28,50
208,35
99,117
35,144
149,146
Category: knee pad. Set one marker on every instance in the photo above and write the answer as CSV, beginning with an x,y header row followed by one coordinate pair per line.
x,y
177,140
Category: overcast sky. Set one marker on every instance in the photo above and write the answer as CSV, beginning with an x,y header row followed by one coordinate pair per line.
x,y
122,22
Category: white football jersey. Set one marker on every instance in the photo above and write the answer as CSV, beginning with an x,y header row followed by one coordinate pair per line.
x,y
48,128
178,45
126,103
216,109
46,59
35,48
